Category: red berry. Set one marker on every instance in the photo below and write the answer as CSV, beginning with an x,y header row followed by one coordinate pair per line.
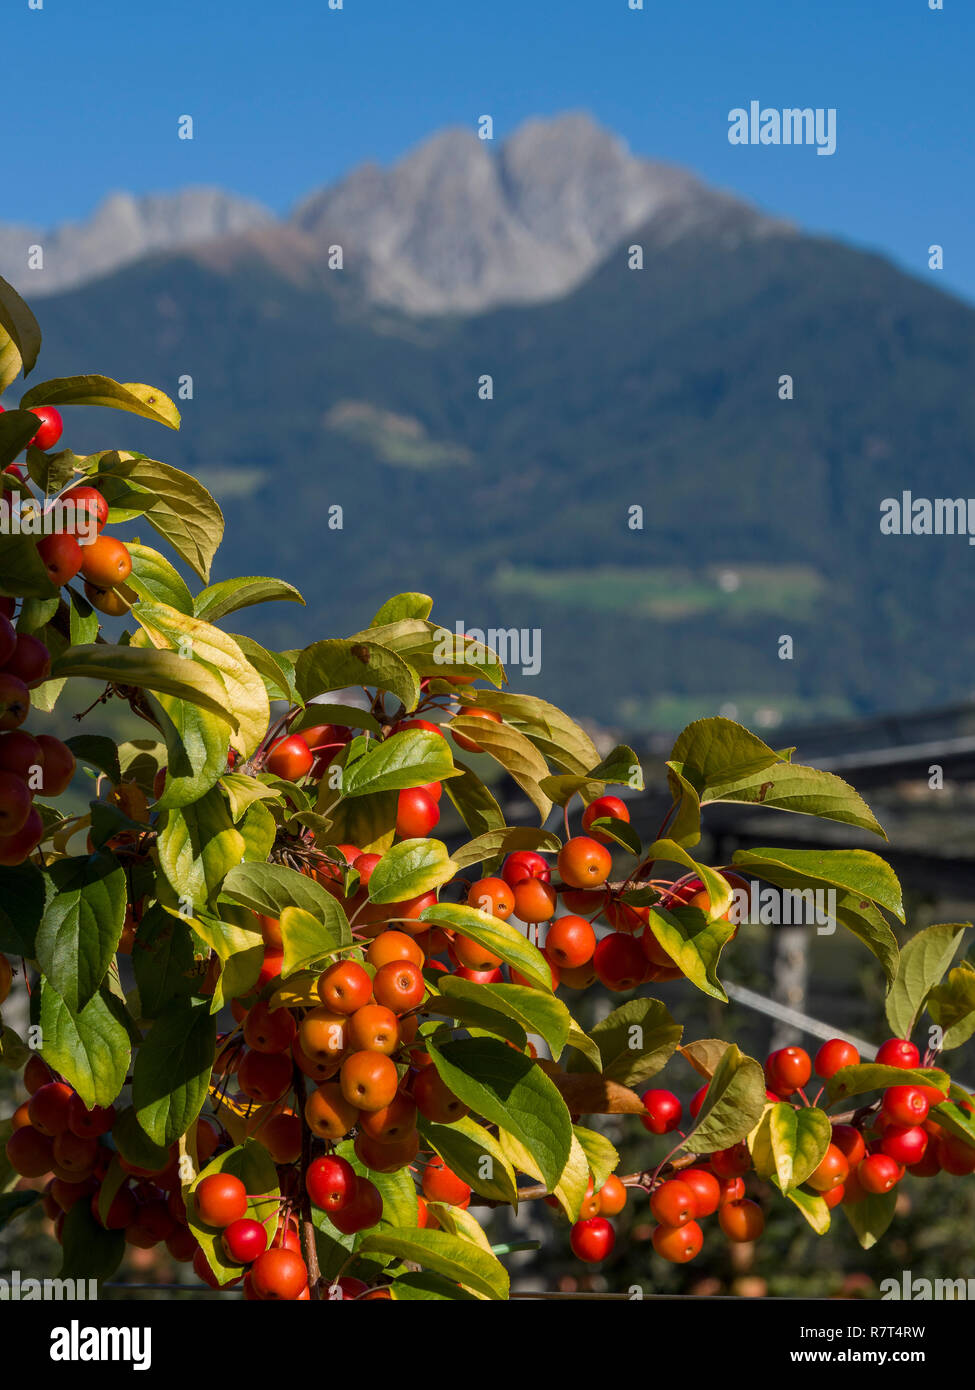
x,y
742,1220
706,1189
678,1244
905,1105
290,758
832,1171
898,1052
879,1173
833,1056
729,1163
850,1142
664,1112
221,1199
788,1070
416,814
905,1143
51,427
592,1239
673,1203
525,864
600,809
619,962
330,1182
244,1240
697,1100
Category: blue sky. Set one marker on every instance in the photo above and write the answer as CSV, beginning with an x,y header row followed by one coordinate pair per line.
x,y
287,97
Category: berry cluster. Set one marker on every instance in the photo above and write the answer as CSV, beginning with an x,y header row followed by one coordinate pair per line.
x,y
873,1152
28,764
103,563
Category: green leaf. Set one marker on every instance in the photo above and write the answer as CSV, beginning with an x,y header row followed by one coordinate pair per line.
x,y
474,803
856,871
790,1144
808,791
957,1121
923,963
20,325
269,888
473,1153
871,1216
99,752
874,1076
198,846
277,675
704,1054
88,1251
36,613
22,571
366,821
400,1206
474,1008
172,1070
459,1222
348,716
532,1009
12,1203
869,925
134,1144
22,903
161,671
581,1042
176,505
620,768
131,396
217,653
334,665
90,1049
499,937
509,1089
600,1154
308,940
409,759
81,927
714,755
82,621
196,750
410,868
237,941
14,1052
242,791
231,595
557,737
694,942
635,1041
570,1190
436,652
493,844
516,754
153,577
684,827
423,1286
952,1006
813,1208
403,606
163,962
733,1104
17,427
449,1255
722,761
